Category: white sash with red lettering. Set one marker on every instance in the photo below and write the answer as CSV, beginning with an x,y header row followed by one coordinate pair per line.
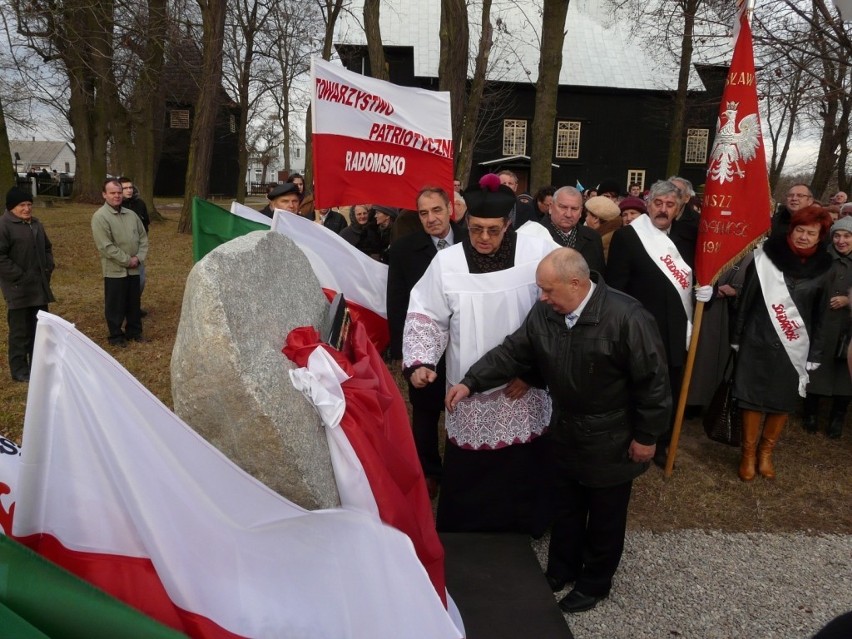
x,y
665,255
784,316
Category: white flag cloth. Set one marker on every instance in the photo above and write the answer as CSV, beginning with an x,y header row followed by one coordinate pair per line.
x,y
109,476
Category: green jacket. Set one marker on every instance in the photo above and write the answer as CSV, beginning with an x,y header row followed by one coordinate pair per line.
x,y
119,236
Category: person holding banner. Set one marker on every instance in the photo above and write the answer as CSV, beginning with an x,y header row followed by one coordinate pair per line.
x,y
777,333
652,260
473,294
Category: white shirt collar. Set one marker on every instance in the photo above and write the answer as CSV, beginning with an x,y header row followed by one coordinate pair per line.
x,y
577,311
448,239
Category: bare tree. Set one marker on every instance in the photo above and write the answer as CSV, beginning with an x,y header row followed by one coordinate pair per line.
x,y
8,178
375,50
546,90
206,108
453,62
241,75
329,11
473,103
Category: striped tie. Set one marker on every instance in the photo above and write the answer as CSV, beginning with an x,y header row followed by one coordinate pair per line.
x,y
442,244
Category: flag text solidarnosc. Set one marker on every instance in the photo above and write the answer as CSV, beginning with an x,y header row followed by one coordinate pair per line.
x,y
350,96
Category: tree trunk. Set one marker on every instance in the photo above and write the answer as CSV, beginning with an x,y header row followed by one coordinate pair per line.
x,y
679,110
546,91
331,9
151,106
8,177
452,66
466,135
206,109
375,49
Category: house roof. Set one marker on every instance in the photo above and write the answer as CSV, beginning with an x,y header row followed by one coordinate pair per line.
x,y
598,52
37,151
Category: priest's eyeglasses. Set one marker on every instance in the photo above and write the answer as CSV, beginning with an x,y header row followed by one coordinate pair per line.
x,y
490,231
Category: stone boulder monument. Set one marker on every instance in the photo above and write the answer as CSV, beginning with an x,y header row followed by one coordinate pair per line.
x,y
230,380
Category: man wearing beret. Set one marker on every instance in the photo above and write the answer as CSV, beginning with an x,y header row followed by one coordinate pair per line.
x,y
471,296
122,242
26,264
564,226
284,197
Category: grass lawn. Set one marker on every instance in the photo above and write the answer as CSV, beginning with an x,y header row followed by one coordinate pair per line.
x,y
812,492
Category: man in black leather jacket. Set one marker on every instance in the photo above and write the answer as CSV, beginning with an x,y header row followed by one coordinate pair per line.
x,y
601,355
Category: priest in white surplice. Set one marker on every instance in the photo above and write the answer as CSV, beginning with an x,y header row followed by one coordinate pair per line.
x,y
471,297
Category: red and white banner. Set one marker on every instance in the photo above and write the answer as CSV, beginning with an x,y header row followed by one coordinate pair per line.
x,y
376,142
117,489
736,210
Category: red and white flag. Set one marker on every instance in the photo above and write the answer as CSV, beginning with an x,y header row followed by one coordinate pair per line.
x,y
115,488
735,212
340,268
376,142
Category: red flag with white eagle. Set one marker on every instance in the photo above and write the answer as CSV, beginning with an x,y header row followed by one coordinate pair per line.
x,y
735,212
374,141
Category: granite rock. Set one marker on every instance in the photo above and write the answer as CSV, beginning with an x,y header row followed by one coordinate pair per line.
x,y
230,380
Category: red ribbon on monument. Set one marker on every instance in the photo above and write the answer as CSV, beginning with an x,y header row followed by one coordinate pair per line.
x,y
736,209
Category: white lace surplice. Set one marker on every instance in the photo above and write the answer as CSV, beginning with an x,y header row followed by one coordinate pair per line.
x,y
474,313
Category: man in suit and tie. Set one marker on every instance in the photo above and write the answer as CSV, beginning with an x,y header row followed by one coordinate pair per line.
x,y
408,259
565,228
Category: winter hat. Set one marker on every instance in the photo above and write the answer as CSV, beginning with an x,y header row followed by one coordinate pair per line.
x,y
387,210
609,186
633,203
16,196
843,224
491,199
603,208
283,189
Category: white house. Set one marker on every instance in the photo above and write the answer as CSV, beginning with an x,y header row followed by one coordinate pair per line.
x,y
36,155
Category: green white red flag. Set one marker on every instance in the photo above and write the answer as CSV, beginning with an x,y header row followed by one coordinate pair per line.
x,y
735,212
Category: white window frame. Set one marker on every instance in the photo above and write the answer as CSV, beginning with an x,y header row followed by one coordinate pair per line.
x,y
568,139
514,137
636,176
697,141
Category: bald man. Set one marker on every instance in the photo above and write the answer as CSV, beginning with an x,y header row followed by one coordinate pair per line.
x,y
600,354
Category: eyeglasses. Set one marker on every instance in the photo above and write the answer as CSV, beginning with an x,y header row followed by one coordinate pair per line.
x,y
490,231
794,196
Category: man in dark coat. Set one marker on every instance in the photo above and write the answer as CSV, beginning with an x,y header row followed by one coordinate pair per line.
x,y
332,220
26,264
564,226
132,201
600,354
798,197
408,259
632,269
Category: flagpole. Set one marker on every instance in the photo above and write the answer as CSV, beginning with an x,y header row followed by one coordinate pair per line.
x,y
684,388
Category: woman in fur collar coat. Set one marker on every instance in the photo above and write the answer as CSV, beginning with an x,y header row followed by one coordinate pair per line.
x,y
771,372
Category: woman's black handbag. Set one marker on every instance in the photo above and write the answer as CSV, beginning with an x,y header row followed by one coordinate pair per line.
x,y
722,420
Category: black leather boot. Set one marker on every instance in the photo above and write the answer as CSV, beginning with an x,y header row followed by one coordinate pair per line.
x,y
837,417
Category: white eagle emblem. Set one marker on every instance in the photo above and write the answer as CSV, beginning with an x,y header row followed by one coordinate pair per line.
x,y
732,147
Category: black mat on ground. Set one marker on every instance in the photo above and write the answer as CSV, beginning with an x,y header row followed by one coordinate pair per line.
x,y
499,588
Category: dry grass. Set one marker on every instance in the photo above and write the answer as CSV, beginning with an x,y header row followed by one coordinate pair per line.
x,y
812,491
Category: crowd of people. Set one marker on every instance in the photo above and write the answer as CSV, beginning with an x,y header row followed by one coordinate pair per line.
x,y
550,331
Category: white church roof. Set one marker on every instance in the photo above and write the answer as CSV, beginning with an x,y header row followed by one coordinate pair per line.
x,y
598,52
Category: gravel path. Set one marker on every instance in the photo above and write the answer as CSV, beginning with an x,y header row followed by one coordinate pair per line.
x,y
713,585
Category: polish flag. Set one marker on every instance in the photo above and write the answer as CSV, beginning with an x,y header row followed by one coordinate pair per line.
x,y
374,141
115,488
